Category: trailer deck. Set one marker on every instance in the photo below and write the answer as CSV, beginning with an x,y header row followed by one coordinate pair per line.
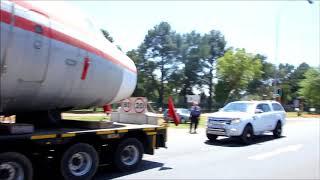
x,y
71,132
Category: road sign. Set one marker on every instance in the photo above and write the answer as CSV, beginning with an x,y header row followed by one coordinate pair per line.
x,y
139,105
193,98
134,105
126,105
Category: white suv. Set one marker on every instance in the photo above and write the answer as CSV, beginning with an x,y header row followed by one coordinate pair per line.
x,y
246,119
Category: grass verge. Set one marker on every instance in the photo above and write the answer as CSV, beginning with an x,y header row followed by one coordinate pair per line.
x,y
304,114
202,122
86,118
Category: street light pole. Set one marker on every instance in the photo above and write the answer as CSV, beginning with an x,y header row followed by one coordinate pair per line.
x,y
277,50
277,21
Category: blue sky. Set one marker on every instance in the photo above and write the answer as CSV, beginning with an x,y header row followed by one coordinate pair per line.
x,y
245,24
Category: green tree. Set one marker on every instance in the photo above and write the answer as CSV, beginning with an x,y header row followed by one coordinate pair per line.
x,y
222,90
310,87
134,55
283,76
190,58
294,79
147,82
160,50
261,86
284,71
106,34
235,71
212,47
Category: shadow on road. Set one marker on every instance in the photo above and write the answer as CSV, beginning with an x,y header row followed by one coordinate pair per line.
x,y
236,142
107,172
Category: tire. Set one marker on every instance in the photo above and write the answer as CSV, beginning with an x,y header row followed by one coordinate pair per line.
x,y
212,137
247,135
15,166
128,154
79,162
277,130
182,121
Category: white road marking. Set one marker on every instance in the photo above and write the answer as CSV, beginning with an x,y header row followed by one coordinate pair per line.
x,y
263,156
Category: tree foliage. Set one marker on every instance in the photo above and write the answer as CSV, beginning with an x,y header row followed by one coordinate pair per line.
x,y
159,49
174,64
107,35
190,59
310,87
295,78
261,86
213,47
236,69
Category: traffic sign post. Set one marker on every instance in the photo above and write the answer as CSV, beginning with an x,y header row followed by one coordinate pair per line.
x,y
193,98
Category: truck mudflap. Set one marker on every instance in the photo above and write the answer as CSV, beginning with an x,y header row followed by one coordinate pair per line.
x,y
161,138
156,138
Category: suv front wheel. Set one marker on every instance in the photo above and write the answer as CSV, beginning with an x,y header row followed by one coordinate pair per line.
x,y
277,130
212,137
247,135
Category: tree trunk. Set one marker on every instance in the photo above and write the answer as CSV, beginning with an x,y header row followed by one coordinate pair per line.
x,y
185,92
161,85
210,93
210,86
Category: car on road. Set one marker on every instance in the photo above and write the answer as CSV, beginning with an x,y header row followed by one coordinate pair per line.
x,y
245,119
183,113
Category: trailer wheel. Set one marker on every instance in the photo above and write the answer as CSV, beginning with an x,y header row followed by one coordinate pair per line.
x,y
128,154
15,166
80,161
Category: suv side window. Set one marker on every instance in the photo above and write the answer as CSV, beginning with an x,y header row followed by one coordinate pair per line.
x,y
264,107
277,107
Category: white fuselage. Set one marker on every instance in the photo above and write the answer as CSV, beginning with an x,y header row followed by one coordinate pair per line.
x,y
52,57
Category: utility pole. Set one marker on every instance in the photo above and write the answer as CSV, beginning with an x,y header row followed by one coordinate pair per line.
x,y
277,96
277,26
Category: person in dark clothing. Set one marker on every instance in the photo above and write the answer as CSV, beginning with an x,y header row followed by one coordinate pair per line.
x,y
194,116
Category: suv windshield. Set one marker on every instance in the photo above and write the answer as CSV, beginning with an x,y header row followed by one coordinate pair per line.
x,y
237,107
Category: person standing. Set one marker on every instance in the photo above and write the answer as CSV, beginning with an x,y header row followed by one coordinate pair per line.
x,y
194,116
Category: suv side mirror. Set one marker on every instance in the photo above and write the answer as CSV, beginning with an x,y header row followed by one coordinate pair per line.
x,y
258,111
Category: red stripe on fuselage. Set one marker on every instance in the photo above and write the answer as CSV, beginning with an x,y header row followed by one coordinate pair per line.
x,y
5,16
28,25
57,17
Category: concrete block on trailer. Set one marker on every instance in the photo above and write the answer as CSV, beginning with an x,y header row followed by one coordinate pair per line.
x,y
136,118
88,124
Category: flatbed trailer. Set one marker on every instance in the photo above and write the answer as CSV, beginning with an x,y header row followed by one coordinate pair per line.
x,y
76,153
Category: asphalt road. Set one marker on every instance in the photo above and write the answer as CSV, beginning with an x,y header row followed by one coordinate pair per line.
x,y
190,156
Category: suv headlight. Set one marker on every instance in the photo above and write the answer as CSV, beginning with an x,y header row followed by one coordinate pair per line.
x,y
235,121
